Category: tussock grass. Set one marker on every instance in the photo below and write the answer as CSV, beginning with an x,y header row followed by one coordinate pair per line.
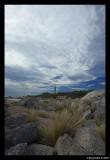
x,y
10,103
44,114
59,107
87,101
101,130
33,115
67,121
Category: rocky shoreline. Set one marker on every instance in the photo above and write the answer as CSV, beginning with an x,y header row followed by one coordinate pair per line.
x,y
23,137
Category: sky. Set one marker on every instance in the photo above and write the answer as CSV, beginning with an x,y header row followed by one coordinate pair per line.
x,y
54,44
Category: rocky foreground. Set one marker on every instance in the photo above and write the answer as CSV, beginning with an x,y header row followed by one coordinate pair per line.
x,y
23,136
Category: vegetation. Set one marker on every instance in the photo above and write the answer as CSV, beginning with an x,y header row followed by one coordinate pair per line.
x,y
73,94
87,101
10,103
62,105
101,130
44,114
67,121
33,115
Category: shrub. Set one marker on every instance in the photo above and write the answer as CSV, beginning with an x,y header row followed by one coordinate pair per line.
x,y
10,103
101,130
87,101
33,115
65,122
64,105
44,114
58,107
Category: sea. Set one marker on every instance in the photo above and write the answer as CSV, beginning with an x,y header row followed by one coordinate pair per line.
x,y
13,99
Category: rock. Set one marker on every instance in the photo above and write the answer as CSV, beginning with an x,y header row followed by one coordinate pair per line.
x,y
26,133
99,115
75,102
63,144
93,107
19,149
66,145
90,140
15,120
40,149
86,107
97,94
21,102
90,123
30,103
88,115
6,112
77,150
98,108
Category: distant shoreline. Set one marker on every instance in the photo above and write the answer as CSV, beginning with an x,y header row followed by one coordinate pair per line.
x,y
13,99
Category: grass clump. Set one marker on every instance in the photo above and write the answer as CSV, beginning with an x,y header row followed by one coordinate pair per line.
x,y
10,103
59,107
44,114
33,115
87,101
101,130
65,122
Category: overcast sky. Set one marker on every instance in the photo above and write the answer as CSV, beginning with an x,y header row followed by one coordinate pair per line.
x,y
54,44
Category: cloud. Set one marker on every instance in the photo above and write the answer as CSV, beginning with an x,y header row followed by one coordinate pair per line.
x,y
103,83
78,88
90,85
62,44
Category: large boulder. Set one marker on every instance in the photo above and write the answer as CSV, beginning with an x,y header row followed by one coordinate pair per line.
x,y
97,94
90,140
31,102
98,108
66,145
21,102
6,111
40,149
15,120
86,107
88,115
63,144
99,116
26,133
90,124
76,101
78,150
19,149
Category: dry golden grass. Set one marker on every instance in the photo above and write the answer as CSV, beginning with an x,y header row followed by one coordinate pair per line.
x,y
33,115
16,109
59,107
87,101
101,130
44,114
9,103
65,122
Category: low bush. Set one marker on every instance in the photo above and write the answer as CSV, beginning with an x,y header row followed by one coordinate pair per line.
x,y
65,122
10,103
87,101
33,115
44,114
62,105
101,130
